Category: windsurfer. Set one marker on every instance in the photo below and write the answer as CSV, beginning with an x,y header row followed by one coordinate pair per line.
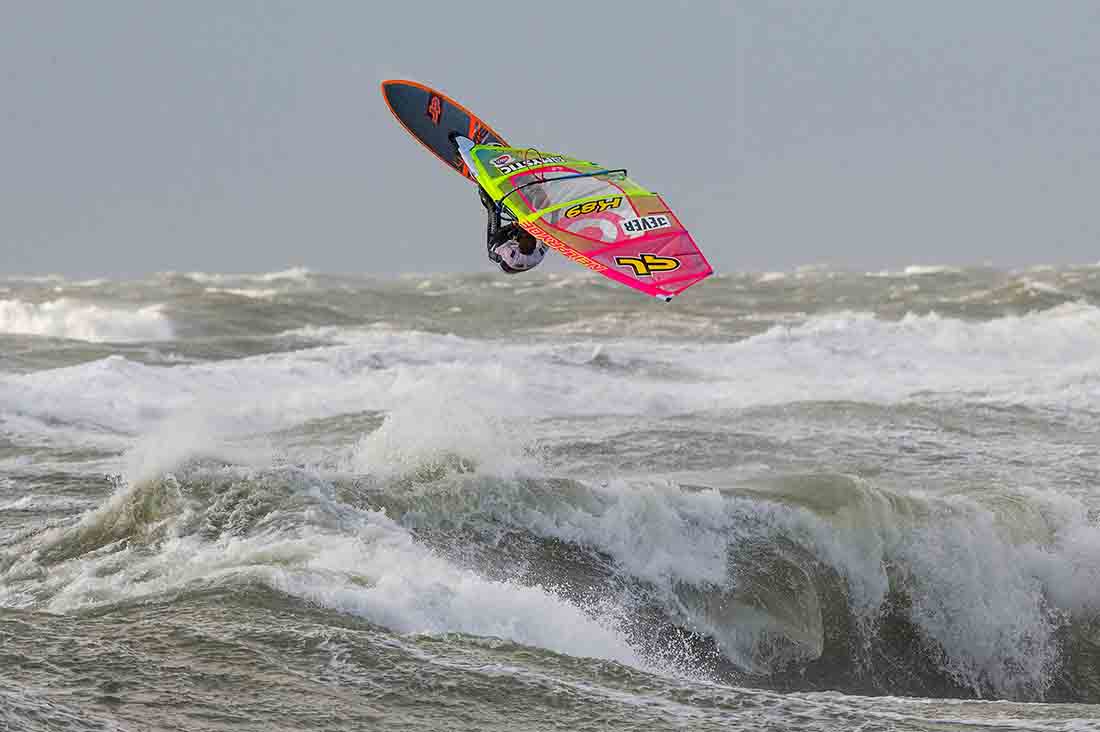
x,y
509,246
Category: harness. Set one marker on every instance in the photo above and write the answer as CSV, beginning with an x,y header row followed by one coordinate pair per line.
x,y
495,233
492,228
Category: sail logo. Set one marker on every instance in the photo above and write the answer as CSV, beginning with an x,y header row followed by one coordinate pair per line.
x,y
561,247
591,207
643,224
645,265
531,163
435,109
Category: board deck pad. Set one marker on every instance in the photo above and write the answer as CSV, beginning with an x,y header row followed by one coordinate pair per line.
x,y
431,116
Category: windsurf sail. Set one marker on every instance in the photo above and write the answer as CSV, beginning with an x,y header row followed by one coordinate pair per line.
x,y
595,216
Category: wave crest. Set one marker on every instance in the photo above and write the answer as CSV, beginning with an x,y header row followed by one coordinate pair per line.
x,y
76,320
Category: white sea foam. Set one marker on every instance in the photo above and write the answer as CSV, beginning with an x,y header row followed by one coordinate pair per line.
x,y
980,590
425,428
186,434
69,284
35,279
1040,286
1044,358
246,292
43,503
916,270
77,320
351,560
399,584
981,581
293,274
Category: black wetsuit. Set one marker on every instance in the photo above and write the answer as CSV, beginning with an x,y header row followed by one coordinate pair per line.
x,y
497,234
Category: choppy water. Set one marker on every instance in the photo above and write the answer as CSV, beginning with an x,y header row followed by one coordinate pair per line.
x,y
815,500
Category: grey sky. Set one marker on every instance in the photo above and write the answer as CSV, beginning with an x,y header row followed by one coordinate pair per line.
x,y
247,136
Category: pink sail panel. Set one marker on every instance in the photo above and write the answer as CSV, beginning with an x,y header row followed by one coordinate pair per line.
x,y
631,238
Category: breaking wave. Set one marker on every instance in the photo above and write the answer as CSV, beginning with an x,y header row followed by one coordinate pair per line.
x,y
76,320
437,484
795,581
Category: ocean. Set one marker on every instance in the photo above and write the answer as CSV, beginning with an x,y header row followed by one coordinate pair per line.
x,y
811,500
